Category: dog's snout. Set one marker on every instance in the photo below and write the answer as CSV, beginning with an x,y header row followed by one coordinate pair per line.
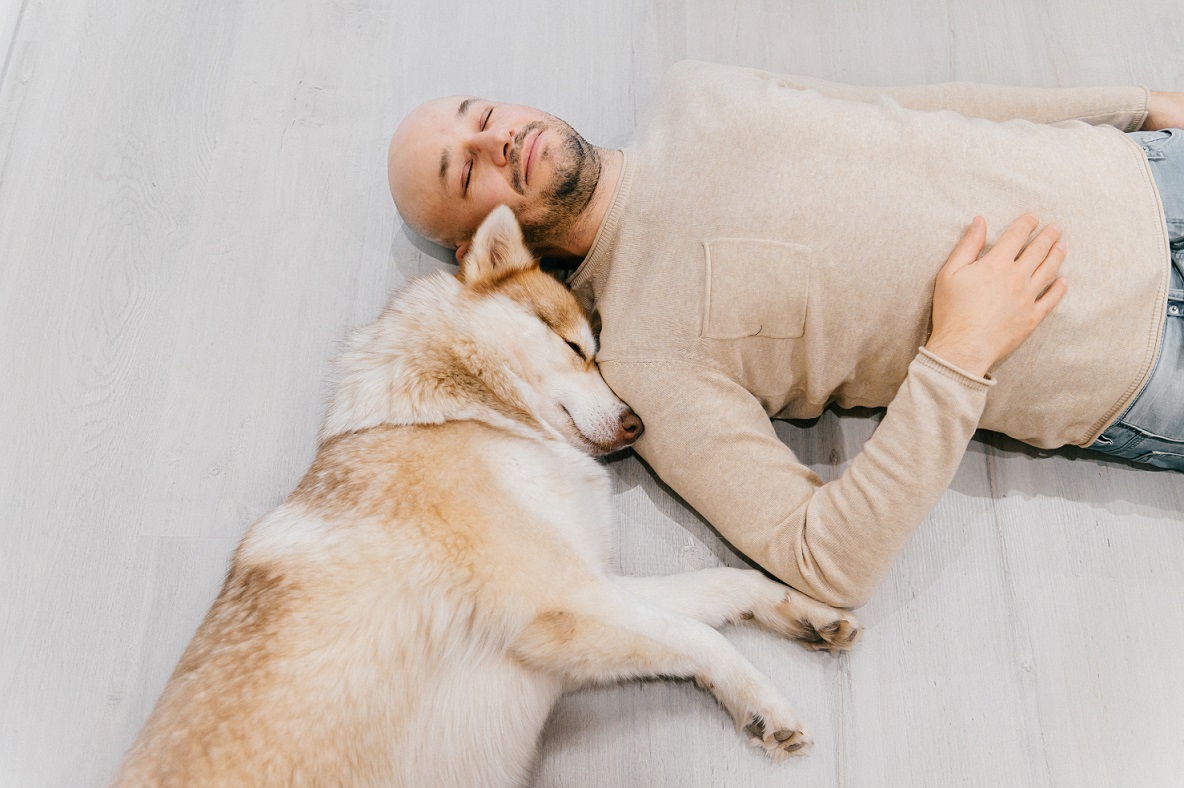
x,y
630,426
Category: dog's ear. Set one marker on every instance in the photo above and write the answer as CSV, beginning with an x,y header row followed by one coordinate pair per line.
x,y
497,250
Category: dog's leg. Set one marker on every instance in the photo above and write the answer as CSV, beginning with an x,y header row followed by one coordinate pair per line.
x,y
722,595
606,634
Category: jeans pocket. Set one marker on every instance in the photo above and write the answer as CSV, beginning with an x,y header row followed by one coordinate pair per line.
x,y
1121,441
1165,154
1155,143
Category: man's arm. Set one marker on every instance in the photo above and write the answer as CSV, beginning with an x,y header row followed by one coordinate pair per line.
x,y
1125,107
711,441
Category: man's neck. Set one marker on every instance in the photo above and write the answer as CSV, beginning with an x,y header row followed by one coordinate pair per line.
x,y
578,242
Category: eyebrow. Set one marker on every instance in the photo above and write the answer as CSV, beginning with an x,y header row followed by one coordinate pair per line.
x,y
446,157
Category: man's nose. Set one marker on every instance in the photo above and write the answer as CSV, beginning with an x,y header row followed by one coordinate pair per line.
x,y
496,144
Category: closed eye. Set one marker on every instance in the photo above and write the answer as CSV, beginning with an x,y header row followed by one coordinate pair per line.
x,y
577,350
464,191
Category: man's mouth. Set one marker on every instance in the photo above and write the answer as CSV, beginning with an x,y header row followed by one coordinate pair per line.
x,y
528,155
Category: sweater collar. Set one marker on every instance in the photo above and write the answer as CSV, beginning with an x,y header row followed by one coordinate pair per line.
x,y
591,270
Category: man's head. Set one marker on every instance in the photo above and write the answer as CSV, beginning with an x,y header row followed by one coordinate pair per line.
x,y
452,160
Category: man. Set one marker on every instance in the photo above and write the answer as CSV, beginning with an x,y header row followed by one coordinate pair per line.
x,y
767,246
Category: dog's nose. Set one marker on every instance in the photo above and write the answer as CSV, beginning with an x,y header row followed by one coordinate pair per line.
x,y
631,426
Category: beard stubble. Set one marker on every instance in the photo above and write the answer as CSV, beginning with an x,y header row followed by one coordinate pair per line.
x,y
577,165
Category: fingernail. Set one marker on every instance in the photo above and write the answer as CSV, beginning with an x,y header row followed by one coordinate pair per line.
x,y
1060,246
1056,228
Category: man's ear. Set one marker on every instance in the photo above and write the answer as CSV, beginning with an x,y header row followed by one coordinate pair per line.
x,y
461,251
497,249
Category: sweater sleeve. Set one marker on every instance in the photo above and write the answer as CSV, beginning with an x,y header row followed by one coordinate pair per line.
x,y
1124,108
711,441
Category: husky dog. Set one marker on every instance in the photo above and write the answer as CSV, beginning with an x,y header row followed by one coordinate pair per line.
x,y
414,609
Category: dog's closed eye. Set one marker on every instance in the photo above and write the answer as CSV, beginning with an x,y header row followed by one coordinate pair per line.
x,y
577,350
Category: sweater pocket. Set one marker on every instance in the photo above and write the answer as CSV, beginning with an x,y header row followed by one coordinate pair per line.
x,y
755,288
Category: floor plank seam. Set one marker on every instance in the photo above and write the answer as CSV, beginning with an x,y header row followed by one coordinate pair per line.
x,y
16,31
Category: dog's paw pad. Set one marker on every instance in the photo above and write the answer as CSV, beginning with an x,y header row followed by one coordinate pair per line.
x,y
778,741
840,634
836,632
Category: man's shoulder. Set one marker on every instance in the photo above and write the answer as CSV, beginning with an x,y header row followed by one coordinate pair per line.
x,y
711,92
698,72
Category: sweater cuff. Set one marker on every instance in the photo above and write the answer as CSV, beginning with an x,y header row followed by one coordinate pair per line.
x,y
1139,116
939,364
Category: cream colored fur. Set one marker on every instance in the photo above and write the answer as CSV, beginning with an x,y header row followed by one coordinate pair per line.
x,y
411,613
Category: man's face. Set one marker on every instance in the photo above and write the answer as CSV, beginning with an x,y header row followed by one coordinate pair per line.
x,y
453,160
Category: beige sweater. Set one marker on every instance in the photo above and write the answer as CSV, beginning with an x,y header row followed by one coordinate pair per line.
x,y
771,248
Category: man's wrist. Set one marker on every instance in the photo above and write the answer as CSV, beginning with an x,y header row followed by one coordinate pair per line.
x,y
962,358
1164,110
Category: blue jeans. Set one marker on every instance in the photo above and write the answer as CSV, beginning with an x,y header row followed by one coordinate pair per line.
x,y
1151,429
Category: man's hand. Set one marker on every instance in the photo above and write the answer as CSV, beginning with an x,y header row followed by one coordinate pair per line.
x,y
985,308
1165,111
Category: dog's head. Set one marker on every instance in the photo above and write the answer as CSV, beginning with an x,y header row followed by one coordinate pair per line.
x,y
501,342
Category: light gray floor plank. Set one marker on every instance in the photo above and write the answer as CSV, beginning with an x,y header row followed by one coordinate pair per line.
x,y
10,21
193,210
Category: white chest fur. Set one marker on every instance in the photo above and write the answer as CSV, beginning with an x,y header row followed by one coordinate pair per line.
x,y
564,488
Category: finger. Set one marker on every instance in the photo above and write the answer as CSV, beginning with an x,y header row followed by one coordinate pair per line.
x,y
1015,236
1046,272
967,250
1047,302
1036,251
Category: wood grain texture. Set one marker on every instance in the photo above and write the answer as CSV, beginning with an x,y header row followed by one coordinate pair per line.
x,y
193,210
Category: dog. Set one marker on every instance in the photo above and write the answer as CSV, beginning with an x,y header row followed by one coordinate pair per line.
x,y
411,613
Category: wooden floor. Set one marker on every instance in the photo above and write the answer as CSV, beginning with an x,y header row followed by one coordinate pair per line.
x,y
193,210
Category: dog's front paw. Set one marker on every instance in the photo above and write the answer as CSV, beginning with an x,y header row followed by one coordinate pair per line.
x,y
780,734
761,713
818,626
837,634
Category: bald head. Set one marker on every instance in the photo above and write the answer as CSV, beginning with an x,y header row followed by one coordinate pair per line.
x,y
452,160
420,194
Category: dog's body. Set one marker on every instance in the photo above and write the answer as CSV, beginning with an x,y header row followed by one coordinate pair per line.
x,y
410,615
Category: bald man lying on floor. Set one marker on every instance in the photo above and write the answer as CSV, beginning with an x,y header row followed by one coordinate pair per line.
x,y
769,245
